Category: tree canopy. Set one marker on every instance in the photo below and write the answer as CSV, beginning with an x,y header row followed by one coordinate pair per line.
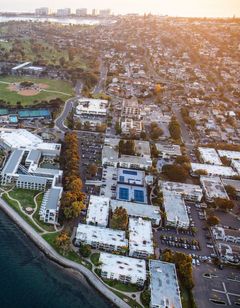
x,y
119,219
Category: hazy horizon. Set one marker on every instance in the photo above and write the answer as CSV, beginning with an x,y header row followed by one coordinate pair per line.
x,y
203,8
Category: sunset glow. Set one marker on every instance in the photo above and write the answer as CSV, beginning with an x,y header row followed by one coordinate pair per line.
x,y
208,8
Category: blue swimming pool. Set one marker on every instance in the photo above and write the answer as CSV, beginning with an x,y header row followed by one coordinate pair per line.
x,y
129,172
13,119
138,195
123,193
34,113
121,178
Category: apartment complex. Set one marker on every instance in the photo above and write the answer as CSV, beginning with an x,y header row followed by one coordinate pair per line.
x,y
124,269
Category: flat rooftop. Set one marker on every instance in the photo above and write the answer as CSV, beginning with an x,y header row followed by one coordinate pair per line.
x,y
135,160
210,156
164,285
181,188
101,235
229,154
142,148
23,139
88,105
175,208
98,211
213,187
169,149
123,265
140,236
131,177
233,183
138,209
214,169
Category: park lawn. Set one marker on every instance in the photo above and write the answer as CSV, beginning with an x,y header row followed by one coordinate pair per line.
x,y
131,302
15,206
24,196
131,288
71,255
53,85
47,227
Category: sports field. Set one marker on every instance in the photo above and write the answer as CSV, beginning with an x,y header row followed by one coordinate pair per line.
x,y
49,89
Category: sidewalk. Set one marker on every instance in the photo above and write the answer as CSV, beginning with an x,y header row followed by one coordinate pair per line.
x,y
53,255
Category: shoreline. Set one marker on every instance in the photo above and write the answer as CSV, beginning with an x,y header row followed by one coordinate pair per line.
x,y
52,255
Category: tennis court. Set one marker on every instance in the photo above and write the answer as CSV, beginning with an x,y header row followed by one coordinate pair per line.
x,y
37,113
123,193
138,195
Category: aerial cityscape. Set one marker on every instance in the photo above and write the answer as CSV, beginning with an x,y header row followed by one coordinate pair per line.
x,y
120,155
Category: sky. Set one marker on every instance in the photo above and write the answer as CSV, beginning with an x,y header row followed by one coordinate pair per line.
x,y
200,8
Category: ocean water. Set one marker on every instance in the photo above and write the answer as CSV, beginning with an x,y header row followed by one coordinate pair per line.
x,y
29,280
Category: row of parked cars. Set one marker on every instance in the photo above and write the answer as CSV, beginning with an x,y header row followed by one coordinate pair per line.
x,y
180,242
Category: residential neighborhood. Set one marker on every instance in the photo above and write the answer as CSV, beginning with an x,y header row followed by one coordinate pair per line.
x,y
122,150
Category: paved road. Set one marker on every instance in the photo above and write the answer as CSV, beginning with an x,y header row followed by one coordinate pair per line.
x,y
59,122
53,255
102,79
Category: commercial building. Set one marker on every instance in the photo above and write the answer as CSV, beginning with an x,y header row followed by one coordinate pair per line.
x,y
214,170
95,12
142,148
236,166
81,12
234,183
63,12
129,126
213,188
137,210
164,285
226,235
209,156
131,177
189,192
101,238
130,109
175,209
27,68
23,168
135,162
105,13
140,238
88,106
11,139
229,154
42,11
98,211
228,252
168,150
124,269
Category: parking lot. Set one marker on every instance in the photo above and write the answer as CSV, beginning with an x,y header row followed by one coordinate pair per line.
x,y
91,152
199,244
215,287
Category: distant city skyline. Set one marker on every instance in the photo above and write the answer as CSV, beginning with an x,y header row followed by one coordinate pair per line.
x,y
203,8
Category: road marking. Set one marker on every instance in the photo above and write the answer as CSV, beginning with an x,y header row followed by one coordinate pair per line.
x,y
225,292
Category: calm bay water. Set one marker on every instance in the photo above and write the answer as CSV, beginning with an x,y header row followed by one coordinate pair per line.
x,y
29,280
63,21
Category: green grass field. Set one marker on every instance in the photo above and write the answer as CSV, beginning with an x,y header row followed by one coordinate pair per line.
x,y
24,196
53,85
